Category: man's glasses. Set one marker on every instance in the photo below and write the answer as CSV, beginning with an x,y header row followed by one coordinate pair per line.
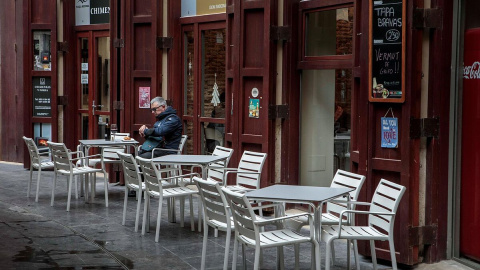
x,y
155,109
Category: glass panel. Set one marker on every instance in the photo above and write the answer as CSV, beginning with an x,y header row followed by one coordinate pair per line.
x,y
324,124
213,86
103,74
329,32
188,130
188,73
84,51
84,126
41,50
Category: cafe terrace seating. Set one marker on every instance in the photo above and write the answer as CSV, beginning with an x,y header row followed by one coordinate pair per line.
x,y
64,164
155,188
381,218
133,181
36,162
249,233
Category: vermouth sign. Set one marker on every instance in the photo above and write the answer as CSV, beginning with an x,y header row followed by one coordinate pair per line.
x,y
472,72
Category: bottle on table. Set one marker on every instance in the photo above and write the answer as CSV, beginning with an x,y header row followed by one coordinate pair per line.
x,y
107,131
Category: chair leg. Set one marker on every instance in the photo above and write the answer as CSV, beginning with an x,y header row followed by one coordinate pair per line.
x,y
328,254
348,254
53,189
139,202
392,254
159,216
227,248
204,247
235,254
69,186
192,221
256,264
182,211
374,255
200,214
244,258
145,206
30,181
39,174
125,200
355,252
106,192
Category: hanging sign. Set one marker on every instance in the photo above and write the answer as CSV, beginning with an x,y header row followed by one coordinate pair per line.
x,y
42,97
89,12
389,132
387,51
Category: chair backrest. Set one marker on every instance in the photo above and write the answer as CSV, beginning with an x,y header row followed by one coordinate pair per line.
x,y
61,156
243,215
250,162
386,198
150,174
32,151
216,174
344,179
182,144
213,199
131,173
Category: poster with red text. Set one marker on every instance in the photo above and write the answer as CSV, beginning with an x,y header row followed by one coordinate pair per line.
x,y
144,97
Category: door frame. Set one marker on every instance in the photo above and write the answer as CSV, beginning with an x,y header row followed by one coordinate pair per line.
x,y
92,36
196,117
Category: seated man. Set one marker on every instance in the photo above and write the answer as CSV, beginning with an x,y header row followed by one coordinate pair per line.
x,y
166,132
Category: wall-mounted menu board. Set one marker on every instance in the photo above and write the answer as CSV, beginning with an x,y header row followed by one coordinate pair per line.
x,y
387,51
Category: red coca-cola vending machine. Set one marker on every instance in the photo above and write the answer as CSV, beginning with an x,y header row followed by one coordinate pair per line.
x,y
470,183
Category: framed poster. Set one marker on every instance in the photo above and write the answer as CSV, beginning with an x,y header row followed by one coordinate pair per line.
x,y
144,97
387,51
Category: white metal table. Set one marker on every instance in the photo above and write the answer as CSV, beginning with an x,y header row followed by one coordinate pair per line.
x,y
187,160
85,146
313,196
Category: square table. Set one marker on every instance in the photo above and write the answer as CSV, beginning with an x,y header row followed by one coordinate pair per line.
x,y
194,160
300,194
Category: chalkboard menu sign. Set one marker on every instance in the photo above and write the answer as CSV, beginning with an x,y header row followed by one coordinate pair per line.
x,y
387,51
42,97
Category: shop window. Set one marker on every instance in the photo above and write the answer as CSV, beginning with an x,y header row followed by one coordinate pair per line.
x,y
42,51
329,32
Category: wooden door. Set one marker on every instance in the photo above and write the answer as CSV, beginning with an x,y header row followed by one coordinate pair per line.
x,y
203,62
250,87
93,83
141,72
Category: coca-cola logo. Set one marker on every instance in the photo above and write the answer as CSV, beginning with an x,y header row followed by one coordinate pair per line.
x,y
472,72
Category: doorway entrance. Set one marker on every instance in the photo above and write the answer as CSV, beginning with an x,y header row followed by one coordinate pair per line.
x,y
204,86
93,85
326,91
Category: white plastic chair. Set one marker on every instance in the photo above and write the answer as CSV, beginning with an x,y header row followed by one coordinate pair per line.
x,y
248,231
36,162
178,151
216,214
248,172
133,181
64,164
156,188
381,218
330,216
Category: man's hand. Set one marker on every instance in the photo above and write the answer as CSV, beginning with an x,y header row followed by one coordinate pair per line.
x,y
141,130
